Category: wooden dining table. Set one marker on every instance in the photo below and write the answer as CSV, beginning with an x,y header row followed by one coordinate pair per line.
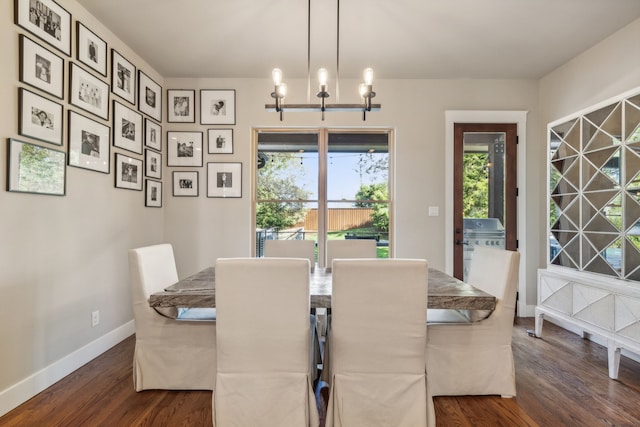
x,y
444,292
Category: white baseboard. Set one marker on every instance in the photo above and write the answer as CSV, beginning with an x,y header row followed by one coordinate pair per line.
x,y
19,393
526,310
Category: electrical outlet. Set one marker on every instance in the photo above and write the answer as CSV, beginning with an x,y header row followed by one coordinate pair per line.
x,y
95,318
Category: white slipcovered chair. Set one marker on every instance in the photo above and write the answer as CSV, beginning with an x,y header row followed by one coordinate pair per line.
x,y
350,248
263,373
169,354
476,358
377,363
291,249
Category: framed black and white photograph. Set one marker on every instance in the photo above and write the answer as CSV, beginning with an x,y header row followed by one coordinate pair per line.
x,y
88,92
149,96
47,20
91,50
36,169
181,106
224,180
218,106
123,77
152,134
153,194
89,143
41,68
39,118
220,141
152,164
127,128
184,148
185,184
128,172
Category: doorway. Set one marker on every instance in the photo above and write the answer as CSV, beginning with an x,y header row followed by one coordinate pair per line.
x,y
484,190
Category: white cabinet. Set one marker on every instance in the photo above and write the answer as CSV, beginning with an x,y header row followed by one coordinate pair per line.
x,y
598,305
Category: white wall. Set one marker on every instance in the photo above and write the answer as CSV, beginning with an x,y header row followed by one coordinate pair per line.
x,y
62,257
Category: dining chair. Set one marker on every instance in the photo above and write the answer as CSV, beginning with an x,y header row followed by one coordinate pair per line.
x,y
350,248
476,358
377,374
263,373
291,249
170,353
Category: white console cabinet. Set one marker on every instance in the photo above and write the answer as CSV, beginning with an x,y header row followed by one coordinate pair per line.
x,y
605,307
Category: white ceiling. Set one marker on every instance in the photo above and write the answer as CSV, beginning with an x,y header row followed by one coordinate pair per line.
x,y
398,38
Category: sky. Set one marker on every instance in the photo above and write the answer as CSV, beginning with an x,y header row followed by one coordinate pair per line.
x,y
343,177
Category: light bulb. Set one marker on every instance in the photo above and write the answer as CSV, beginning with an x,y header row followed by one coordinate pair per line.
x,y
282,90
322,76
276,74
362,89
368,76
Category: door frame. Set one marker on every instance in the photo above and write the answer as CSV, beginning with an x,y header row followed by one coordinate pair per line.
x,y
479,116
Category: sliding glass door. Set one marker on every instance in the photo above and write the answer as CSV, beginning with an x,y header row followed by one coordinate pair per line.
x,y
321,184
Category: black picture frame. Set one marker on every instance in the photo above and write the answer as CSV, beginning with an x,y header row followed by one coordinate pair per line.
x,y
185,183
127,128
152,164
89,143
220,141
149,96
91,50
153,193
184,148
181,106
41,68
35,169
224,180
128,172
152,134
39,118
123,77
88,92
47,20
217,106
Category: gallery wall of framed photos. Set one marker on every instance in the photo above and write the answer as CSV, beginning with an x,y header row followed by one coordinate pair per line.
x,y
189,145
81,98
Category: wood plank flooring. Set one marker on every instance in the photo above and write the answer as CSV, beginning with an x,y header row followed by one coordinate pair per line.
x,y
561,381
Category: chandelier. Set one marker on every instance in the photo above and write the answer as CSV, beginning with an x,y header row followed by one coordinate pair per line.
x,y
280,88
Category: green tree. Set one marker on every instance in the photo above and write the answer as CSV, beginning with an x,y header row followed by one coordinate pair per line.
x,y
475,186
367,195
279,196
373,164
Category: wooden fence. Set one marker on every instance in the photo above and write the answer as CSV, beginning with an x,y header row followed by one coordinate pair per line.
x,y
339,219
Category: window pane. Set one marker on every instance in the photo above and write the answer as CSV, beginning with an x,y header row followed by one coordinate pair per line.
x,y
303,227
358,188
346,221
287,166
357,163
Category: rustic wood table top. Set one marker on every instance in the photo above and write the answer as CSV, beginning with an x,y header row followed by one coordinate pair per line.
x,y
445,292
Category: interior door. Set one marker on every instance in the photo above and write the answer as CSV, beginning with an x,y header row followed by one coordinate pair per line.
x,y
485,190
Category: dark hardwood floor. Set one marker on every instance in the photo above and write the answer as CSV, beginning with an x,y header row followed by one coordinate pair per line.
x,y
561,381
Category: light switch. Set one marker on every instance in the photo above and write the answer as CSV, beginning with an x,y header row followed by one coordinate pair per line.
x,y
434,211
